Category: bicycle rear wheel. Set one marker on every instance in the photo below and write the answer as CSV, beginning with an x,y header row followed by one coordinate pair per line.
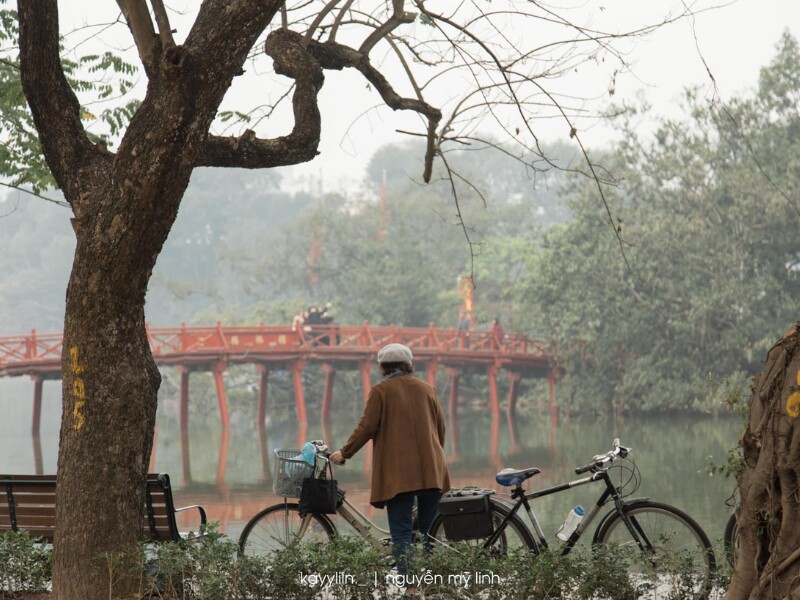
x,y
673,557
731,540
515,534
280,526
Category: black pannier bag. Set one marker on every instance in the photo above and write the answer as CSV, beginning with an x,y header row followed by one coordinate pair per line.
x,y
466,514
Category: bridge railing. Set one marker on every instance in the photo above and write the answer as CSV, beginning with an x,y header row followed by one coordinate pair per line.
x,y
218,339
30,346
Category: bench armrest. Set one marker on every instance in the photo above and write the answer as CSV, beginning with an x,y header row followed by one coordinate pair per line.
x,y
200,509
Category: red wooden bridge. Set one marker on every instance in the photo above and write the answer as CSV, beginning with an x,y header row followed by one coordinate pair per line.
x,y
332,346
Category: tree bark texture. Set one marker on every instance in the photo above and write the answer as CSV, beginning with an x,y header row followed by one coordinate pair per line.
x,y
124,206
768,562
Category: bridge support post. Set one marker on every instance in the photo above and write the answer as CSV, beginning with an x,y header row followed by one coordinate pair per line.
x,y
299,396
491,376
222,460
514,378
452,410
455,380
327,393
265,455
183,411
37,404
366,383
263,383
431,369
222,396
37,454
551,384
184,402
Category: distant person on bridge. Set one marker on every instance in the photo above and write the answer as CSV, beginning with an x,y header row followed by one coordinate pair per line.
x,y
404,420
498,335
298,320
464,324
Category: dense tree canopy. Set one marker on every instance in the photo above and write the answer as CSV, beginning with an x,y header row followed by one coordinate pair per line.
x,y
709,274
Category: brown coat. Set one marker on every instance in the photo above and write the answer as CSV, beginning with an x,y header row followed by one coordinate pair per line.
x,y
404,419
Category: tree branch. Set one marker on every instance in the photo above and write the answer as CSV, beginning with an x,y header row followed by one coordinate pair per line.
x,y
335,56
322,14
53,104
141,26
399,17
304,65
164,28
338,21
292,60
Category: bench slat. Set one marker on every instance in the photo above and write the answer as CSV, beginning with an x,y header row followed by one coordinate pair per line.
x,y
34,506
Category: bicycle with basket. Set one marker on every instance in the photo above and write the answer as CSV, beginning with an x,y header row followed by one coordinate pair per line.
x,y
666,541
305,519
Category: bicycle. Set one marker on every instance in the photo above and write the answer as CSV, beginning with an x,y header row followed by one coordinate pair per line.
x,y
666,537
280,525
730,540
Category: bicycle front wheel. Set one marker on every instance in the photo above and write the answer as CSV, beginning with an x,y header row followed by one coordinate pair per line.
x,y
279,527
514,535
672,555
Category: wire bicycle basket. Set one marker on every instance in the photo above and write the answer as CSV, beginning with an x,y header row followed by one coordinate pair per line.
x,y
290,470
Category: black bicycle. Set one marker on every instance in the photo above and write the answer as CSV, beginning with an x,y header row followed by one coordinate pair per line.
x,y
730,540
667,543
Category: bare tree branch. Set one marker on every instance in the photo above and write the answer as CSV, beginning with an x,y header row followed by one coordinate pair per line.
x,y
67,146
337,23
399,17
164,28
333,55
32,193
292,60
319,18
141,26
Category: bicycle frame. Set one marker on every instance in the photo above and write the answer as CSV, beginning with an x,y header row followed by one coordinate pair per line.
x,y
540,542
361,523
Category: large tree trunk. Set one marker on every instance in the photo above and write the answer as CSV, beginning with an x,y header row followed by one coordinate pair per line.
x,y
768,562
124,205
110,381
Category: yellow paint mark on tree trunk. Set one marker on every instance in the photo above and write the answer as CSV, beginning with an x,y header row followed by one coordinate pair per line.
x,y
793,405
78,389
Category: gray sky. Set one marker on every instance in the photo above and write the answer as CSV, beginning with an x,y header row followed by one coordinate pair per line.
x,y
735,40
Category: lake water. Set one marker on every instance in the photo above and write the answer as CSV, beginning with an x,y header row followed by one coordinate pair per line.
x,y
229,472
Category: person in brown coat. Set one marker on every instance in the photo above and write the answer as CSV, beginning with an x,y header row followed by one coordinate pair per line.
x,y
404,419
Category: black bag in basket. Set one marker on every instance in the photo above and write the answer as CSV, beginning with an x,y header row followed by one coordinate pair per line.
x,y
319,495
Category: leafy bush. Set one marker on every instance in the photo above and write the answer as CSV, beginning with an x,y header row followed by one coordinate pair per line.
x,y
25,566
348,567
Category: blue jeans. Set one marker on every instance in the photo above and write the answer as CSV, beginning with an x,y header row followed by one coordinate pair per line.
x,y
399,511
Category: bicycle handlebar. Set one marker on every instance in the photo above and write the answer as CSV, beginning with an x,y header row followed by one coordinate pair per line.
x,y
599,461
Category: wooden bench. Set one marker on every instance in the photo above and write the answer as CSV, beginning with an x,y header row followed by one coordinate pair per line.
x,y
31,506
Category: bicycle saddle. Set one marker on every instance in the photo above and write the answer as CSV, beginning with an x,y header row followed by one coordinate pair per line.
x,y
509,477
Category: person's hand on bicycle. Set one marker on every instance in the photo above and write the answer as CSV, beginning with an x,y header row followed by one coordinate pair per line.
x,y
337,458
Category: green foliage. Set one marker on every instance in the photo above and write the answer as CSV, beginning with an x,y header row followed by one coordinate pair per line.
x,y
711,278
98,79
348,567
201,569
25,566
397,259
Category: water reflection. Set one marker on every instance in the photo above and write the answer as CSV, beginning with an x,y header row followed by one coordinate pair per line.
x,y
228,470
